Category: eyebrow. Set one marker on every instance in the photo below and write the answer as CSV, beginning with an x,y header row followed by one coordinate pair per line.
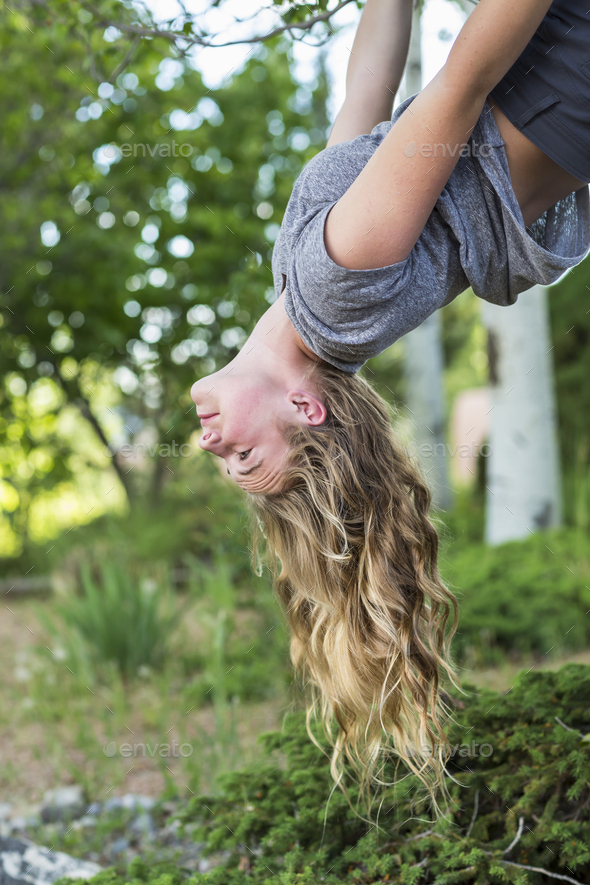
x,y
250,469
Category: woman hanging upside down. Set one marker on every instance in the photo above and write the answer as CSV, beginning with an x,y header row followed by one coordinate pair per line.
x,y
479,180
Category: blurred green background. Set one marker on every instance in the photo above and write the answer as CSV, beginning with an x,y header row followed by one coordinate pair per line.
x,y
130,600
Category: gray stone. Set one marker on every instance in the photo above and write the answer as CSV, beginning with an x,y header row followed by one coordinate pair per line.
x,y
23,861
118,847
143,824
83,822
169,834
135,801
63,803
113,804
17,823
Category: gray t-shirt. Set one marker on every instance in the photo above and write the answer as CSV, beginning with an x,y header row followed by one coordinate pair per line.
x,y
475,236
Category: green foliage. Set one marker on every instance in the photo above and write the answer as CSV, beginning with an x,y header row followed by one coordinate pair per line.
x,y
182,32
519,809
200,511
570,326
115,303
570,323
521,597
117,618
245,651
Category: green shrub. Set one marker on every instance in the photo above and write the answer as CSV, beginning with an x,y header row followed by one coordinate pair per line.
x,y
522,597
118,618
245,650
519,813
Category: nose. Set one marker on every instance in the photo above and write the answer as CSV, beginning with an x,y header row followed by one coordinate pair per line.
x,y
201,389
210,440
195,391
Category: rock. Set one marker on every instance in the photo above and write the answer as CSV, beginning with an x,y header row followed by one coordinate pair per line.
x,y
63,803
5,809
135,801
118,847
168,835
143,824
93,808
130,801
87,821
113,804
23,861
209,863
17,823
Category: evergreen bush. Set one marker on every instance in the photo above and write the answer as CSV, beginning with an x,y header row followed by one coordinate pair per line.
x,y
522,597
520,813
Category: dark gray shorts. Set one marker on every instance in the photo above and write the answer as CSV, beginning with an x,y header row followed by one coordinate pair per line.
x,y
546,93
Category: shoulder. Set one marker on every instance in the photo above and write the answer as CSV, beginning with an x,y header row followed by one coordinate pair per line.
x,y
328,175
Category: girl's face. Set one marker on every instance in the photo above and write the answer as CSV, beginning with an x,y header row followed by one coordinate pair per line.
x,y
239,413
244,406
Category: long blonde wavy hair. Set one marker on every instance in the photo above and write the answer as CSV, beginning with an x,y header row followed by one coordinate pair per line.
x,y
354,559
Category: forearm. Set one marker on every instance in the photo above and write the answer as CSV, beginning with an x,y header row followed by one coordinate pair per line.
x,y
491,40
380,46
375,67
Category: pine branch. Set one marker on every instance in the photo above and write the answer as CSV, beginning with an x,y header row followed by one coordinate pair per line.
x,y
523,866
473,817
517,837
575,730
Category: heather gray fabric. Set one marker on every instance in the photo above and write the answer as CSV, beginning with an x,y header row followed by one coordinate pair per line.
x,y
475,236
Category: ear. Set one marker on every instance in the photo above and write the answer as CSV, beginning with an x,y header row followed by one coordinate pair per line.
x,y
310,410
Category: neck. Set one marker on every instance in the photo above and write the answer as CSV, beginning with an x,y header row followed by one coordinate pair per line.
x,y
274,333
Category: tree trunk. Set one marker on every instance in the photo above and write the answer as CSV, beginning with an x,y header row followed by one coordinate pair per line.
x,y
523,478
75,397
423,357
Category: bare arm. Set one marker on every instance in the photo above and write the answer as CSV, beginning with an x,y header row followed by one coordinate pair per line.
x,y
380,217
375,68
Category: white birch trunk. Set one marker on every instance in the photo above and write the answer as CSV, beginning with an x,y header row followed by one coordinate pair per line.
x,y
523,470
423,353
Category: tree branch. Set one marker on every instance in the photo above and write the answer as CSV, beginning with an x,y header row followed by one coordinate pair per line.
x,y
140,30
84,406
575,730
125,60
517,837
523,866
474,815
